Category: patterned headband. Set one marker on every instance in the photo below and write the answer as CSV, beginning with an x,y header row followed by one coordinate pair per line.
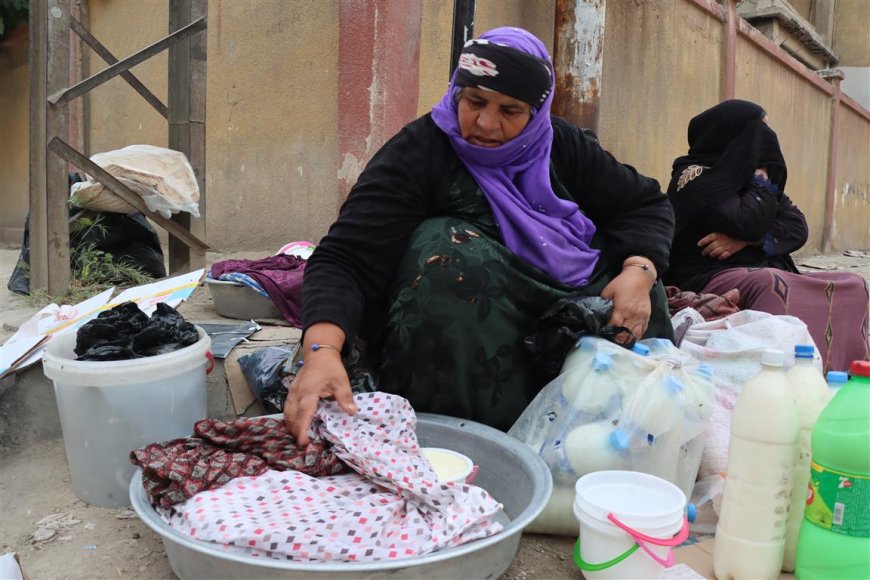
x,y
506,70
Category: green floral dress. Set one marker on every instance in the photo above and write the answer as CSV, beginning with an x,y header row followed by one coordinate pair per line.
x,y
461,305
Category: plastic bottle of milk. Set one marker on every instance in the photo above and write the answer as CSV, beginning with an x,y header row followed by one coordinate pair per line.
x,y
750,536
590,392
836,379
810,392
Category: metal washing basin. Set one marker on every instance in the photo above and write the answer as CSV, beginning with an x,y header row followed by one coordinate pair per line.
x,y
511,471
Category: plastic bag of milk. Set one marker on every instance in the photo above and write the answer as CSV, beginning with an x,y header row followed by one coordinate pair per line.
x,y
644,409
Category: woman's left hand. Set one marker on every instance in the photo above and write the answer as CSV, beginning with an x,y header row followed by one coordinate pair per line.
x,y
631,304
720,246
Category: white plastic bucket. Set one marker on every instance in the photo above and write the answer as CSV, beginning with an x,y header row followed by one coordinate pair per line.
x,y
109,408
646,505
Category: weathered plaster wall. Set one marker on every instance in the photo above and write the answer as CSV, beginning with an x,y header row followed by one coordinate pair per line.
x,y
801,116
437,29
14,142
852,33
852,202
118,116
804,8
661,67
277,132
271,106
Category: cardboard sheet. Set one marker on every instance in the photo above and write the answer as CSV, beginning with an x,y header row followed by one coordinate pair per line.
x,y
699,557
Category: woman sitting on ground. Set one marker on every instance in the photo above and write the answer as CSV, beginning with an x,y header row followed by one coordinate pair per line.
x,y
462,230
735,228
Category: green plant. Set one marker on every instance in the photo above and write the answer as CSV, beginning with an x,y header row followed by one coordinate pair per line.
x,y
93,270
12,12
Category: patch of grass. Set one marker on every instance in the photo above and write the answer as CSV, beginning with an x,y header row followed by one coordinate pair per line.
x,y
93,270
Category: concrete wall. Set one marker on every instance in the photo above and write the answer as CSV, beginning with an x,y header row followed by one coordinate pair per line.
x,y
271,111
660,69
852,33
852,200
534,15
14,141
787,97
804,8
299,98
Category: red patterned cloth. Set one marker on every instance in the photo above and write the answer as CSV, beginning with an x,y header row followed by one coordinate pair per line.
x,y
710,306
218,452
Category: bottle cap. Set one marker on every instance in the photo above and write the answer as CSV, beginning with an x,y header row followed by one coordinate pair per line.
x,y
673,385
601,362
619,439
705,370
860,368
641,349
691,512
804,351
837,377
772,357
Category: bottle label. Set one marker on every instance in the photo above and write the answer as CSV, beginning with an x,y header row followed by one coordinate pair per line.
x,y
839,501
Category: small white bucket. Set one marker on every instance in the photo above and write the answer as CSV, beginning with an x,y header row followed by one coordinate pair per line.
x,y
109,408
628,522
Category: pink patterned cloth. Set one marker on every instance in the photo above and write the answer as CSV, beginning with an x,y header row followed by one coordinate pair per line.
x,y
390,508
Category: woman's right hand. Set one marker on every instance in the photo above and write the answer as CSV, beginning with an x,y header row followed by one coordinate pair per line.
x,y
720,246
322,376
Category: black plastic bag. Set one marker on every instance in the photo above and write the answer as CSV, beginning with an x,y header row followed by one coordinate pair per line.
x,y
129,238
558,329
125,332
271,370
265,369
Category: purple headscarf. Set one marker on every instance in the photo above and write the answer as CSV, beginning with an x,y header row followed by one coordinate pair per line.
x,y
548,232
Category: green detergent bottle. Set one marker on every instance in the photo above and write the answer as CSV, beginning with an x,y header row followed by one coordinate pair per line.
x,y
834,539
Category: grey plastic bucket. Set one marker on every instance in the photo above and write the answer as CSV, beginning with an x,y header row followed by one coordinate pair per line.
x,y
108,408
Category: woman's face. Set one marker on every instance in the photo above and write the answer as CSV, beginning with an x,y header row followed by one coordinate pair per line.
x,y
491,119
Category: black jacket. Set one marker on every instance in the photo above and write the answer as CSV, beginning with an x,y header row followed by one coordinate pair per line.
x,y
760,215
348,276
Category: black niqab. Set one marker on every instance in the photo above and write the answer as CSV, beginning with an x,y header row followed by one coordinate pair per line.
x,y
732,140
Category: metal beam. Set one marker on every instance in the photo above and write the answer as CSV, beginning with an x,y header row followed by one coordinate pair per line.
x,y
66,152
578,49
730,65
835,76
463,29
114,70
110,58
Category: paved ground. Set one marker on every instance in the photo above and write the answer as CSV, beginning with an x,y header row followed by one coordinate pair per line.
x,y
80,541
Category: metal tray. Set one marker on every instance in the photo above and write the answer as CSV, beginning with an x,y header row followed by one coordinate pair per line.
x,y
510,470
234,300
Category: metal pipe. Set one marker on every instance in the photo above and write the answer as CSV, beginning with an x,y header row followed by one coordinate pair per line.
x,y
835,77
578,55
463,29
731,20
